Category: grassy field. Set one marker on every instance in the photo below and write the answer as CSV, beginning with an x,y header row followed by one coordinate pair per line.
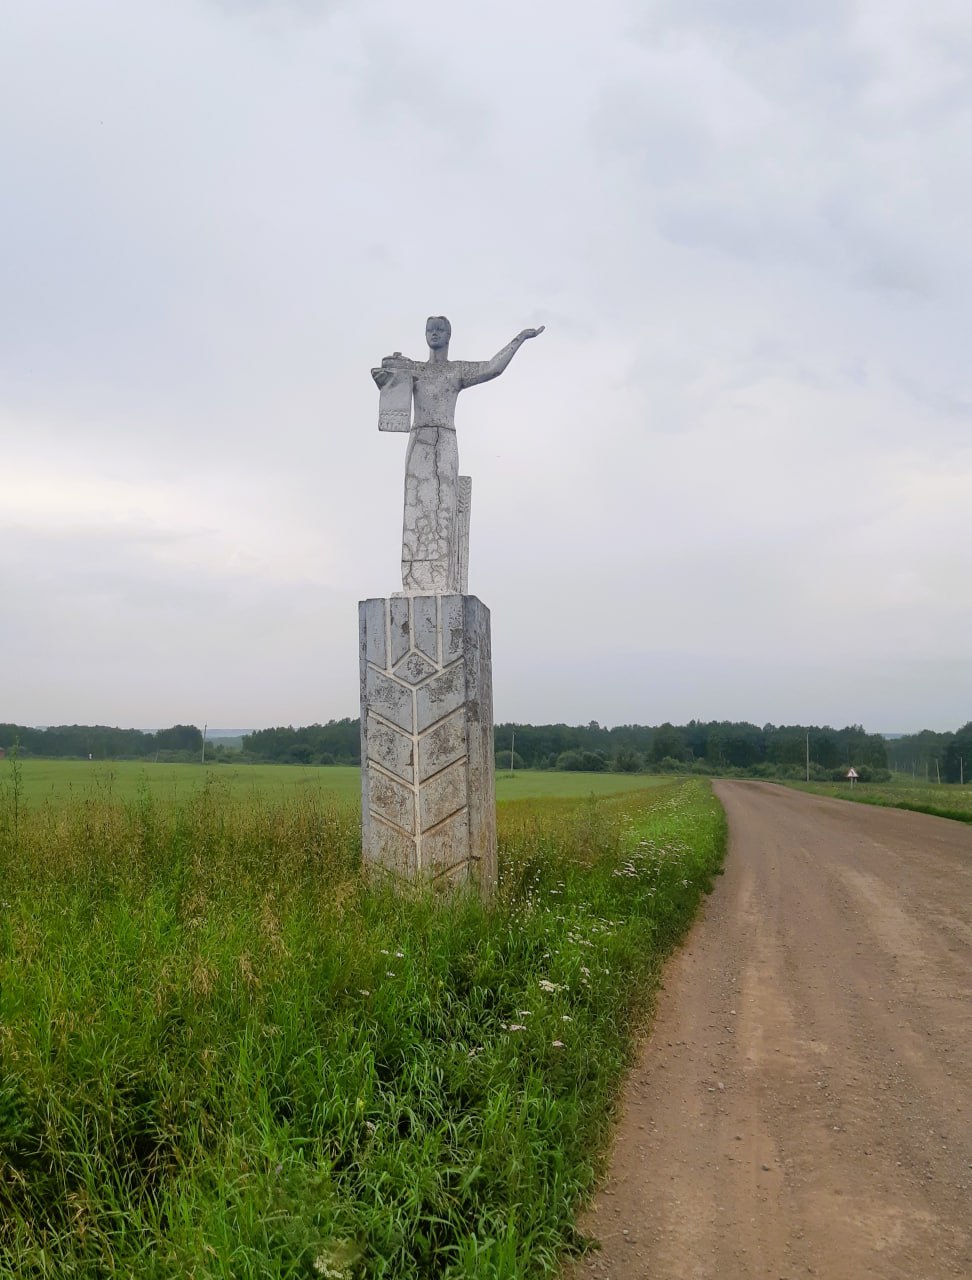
x,y
928,797
224,1053
124,780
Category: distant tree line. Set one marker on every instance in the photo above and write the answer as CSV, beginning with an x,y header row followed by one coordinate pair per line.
x,y
714,746
101,742
931,755
707,747
337,742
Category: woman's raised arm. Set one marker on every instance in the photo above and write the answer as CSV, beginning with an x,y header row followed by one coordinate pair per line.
x,y
488,369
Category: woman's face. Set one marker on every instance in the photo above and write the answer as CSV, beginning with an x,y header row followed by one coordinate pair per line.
x,y
437,333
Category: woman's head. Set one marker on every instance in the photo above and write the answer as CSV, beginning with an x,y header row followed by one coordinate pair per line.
x,y
438,331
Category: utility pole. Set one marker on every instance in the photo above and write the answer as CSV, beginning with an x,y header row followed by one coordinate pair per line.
x,y
205,727
808,757
938,770
512,745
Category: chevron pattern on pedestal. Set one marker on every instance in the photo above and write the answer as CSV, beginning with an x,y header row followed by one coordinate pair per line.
x,y
415,727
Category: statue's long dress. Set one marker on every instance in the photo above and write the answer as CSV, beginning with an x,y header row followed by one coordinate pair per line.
x,y
430,529
435,528
431,487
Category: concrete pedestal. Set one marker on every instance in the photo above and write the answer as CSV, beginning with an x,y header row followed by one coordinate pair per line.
x,y
428,801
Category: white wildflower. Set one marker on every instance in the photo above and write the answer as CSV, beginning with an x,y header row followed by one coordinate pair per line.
x,y
336,1261
323,1267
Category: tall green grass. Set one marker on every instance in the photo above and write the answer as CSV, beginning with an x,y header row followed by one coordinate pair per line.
x,y
942,801
224,1053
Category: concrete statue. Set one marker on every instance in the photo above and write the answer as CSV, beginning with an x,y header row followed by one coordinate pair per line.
x,y
428,808
435,530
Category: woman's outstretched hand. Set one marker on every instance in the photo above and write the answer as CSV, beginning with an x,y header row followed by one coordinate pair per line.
x,y
529,333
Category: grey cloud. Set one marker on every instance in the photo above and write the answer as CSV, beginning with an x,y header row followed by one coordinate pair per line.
x,y
693,224
766,19
769,232
311,10
663,134
90,567
946,405
751,169
892,273
882,252
95,620
402,79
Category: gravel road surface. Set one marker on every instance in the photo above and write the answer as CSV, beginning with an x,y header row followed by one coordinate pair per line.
x,y
802,1104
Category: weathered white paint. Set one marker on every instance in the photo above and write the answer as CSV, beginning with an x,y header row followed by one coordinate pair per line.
x,y
420,397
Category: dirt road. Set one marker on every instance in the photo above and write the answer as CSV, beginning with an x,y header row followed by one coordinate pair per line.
x,y
803,1104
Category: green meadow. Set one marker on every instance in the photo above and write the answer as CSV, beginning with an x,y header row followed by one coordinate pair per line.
x,y
943,801
226,1053
123,780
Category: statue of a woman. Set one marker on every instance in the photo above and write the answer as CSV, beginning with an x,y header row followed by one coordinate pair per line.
x,y
430,534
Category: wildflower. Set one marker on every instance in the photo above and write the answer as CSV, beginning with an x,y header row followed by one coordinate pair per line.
x,y
323,1267
546,985
363,991
513,1026
556,1044
565,1017
389,974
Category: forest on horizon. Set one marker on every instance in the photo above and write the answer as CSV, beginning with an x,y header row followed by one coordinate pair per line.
x,y
705,747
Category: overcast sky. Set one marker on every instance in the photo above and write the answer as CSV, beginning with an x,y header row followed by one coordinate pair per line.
x,y
733,479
